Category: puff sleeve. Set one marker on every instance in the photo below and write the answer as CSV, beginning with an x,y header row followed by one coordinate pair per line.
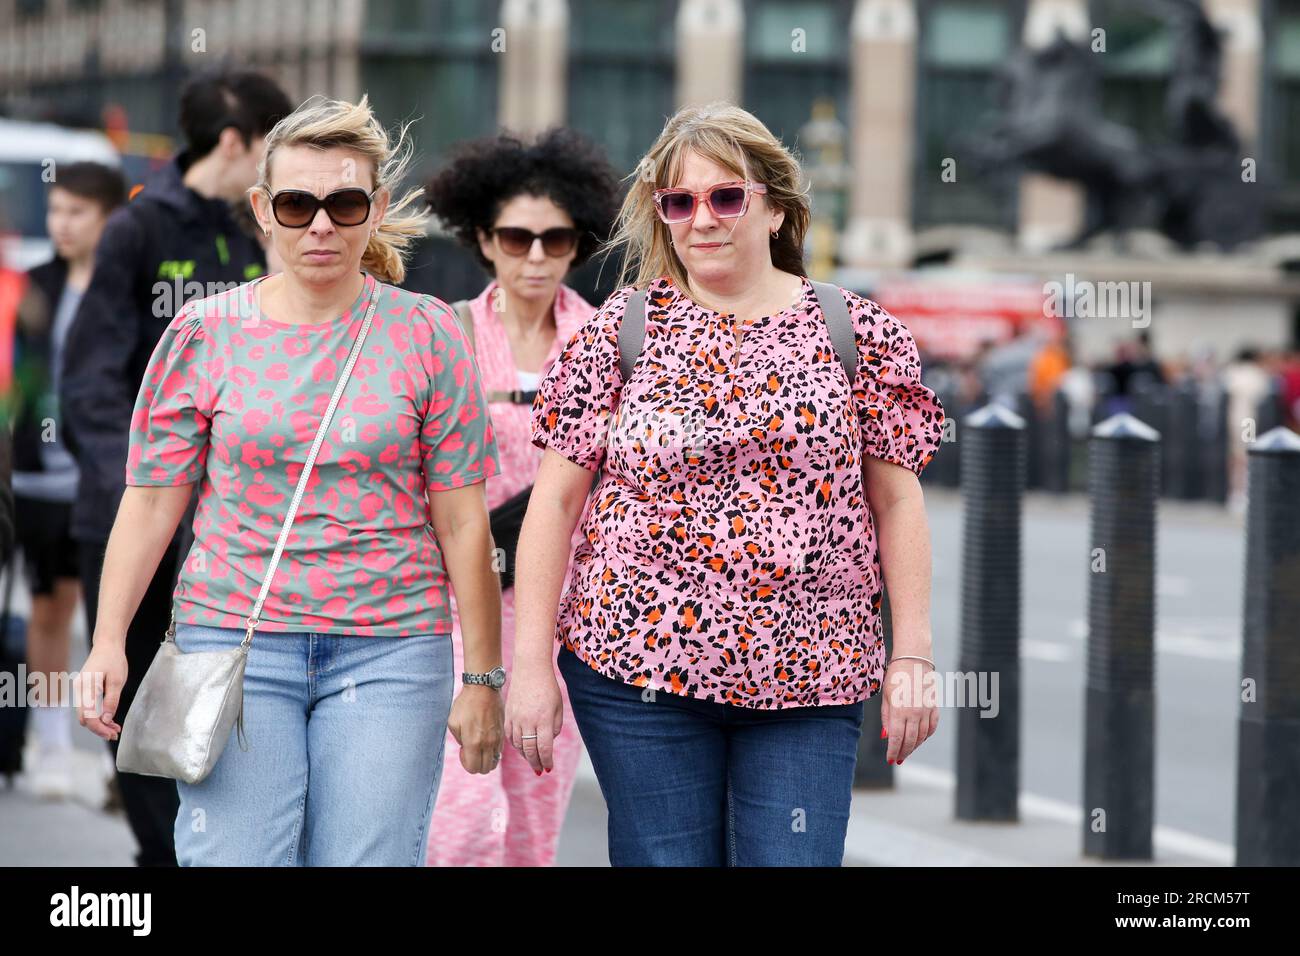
x,y
901,419
172,417
577,396
457,442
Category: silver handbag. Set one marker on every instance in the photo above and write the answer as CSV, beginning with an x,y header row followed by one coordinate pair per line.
x,y
187,703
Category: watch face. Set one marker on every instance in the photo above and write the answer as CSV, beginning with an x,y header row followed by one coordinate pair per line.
x,y
498,676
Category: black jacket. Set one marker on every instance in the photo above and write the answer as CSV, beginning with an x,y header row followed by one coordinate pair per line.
x,y
160,243
33,339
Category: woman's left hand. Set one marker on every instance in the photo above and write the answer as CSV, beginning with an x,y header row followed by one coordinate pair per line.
x,y
477,722
908,715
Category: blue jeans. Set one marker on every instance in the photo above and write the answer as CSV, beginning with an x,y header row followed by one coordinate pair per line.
x,y
690,782
345,738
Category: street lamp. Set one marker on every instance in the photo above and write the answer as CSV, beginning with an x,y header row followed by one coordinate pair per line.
x,y
822,140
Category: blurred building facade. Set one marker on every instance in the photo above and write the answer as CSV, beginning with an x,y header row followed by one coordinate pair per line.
x,y
893,85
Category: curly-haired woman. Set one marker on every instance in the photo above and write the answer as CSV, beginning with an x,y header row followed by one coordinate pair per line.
x,y
530,213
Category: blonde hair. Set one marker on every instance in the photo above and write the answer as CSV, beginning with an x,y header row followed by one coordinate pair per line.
x,y
733,138
324,123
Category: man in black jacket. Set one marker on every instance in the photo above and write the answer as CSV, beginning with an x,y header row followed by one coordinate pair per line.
x,y
176,240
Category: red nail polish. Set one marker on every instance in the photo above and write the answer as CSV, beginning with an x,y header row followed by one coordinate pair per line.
x,y
883,734
891,761
539,773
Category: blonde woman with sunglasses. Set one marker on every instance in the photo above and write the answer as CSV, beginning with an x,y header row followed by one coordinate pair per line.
x,y
720,626
530,213
349,689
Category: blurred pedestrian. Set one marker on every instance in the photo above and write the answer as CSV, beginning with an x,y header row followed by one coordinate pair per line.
x,y
80,200
1247,383
176,240
13,720
530,213
1290,375
349,681
1135,367
721,622
1047,369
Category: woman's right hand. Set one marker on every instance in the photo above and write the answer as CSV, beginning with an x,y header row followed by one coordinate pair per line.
x,y
534,714
99,686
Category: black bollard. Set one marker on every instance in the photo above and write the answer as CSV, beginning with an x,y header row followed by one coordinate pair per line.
x,y
993,483
1180,442
1056,445
1151,407
873,771
1119,718
1268,411
1106,389
1268,726
1023,405
1214,447
944,469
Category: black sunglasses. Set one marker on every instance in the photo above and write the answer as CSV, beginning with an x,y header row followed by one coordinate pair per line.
x,y
516,241
296,208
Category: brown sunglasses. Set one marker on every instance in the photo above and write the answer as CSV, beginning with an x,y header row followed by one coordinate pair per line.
x,y
516,241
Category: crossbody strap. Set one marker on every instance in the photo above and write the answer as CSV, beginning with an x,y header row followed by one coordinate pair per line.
x,y
311,460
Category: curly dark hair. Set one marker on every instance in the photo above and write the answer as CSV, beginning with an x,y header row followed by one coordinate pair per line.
x,y
561,165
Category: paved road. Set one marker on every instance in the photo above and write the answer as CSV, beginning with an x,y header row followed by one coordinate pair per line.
x,y
1201,570
1200,557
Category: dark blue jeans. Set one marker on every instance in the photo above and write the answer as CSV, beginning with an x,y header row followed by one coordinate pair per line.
x,y
697,783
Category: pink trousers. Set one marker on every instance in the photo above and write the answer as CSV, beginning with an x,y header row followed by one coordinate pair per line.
x,y
511,816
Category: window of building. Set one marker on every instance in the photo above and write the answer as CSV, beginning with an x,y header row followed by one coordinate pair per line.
x,y
1281,112
432,61
1135,67
796,54
961,49
621,73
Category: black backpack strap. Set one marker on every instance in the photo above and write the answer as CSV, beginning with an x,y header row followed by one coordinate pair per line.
x,y
835,310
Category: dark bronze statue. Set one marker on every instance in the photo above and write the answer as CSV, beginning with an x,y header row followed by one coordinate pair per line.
x,y
1191,188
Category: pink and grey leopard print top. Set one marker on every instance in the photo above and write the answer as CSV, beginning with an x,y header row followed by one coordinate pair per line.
x,y
232,400
730,553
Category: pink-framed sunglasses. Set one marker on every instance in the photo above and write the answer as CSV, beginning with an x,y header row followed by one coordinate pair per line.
x,y
726,200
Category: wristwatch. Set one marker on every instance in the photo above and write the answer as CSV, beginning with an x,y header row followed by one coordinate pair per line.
x,y
495,678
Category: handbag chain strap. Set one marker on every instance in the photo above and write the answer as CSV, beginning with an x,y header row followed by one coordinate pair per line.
x,y
253,619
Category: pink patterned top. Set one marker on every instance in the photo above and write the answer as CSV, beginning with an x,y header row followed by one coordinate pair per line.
x,y
511,421
730,553
232,400
496,364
